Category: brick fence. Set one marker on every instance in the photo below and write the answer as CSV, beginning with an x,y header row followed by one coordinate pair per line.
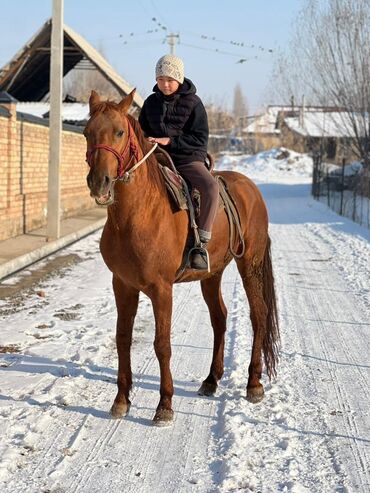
x,y
24,160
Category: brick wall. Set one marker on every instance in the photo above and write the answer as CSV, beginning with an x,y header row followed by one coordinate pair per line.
x,y
24,158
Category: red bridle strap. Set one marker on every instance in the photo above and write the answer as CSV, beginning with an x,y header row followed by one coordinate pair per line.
x,y
130,148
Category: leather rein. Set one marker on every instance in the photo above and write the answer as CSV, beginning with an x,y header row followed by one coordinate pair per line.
x,y
123,172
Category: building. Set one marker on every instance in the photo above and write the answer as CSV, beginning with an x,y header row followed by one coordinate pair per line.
x,y
26,76
304,129
24,132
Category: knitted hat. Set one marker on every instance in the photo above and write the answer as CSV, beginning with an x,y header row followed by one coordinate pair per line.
x,y
170,66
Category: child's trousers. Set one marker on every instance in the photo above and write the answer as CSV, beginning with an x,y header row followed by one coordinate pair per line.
x,y
200,178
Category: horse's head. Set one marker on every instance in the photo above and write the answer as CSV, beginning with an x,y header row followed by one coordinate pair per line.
x,y
108,139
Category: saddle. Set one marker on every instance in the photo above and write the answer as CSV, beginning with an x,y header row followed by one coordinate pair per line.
x,y
177,187
185,199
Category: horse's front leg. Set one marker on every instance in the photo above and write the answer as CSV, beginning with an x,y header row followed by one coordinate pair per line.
x,y
161,297
127,300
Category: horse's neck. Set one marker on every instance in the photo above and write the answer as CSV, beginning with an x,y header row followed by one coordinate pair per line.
x,y
142,197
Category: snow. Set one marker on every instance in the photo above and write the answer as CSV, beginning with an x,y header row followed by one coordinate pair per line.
x,y
309,435
266,122
276,164
327,124
70,111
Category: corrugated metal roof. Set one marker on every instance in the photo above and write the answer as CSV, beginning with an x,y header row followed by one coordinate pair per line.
x,y
26,76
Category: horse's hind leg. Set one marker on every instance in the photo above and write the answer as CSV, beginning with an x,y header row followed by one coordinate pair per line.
x,y
211,289
127,300
252,277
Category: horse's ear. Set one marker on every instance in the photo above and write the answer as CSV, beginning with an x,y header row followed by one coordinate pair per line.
x,y
94,100
126,102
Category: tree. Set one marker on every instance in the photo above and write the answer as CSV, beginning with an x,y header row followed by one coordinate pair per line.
x,y
79,83
240,108
85,77
329,62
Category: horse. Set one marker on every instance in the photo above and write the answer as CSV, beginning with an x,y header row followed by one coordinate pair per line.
x,y
143,244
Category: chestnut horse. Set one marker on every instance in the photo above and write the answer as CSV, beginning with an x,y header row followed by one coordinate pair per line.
x,y
143,243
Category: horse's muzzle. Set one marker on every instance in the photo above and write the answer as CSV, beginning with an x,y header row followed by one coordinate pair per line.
x,y
101,188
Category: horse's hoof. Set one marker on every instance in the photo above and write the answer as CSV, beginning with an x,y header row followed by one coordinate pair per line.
x,y
207,389
255,394
119,410
163,417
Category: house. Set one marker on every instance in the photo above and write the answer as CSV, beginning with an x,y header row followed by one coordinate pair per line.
x,y
323,131
263,132
306,129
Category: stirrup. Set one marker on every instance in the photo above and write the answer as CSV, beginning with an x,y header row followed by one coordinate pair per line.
x,y
203,253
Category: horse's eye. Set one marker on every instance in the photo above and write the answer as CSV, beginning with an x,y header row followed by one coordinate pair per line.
x,y
119,133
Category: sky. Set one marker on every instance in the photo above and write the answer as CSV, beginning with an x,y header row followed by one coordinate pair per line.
x,y
121,30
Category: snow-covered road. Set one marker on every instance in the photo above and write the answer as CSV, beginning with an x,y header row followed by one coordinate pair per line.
x,y
310,434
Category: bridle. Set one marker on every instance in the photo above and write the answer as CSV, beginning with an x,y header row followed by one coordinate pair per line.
x,y
123,172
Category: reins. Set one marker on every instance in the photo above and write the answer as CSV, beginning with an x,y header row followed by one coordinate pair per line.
x,y
123,173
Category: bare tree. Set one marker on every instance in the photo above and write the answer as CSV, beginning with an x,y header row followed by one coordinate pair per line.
x,y
79,83
85,77
329,62
221,124
220,120
240,108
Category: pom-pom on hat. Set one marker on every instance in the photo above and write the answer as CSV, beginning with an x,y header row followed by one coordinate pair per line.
x,y
170,66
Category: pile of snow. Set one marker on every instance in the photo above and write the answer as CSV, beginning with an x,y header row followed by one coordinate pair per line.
x,y
277,163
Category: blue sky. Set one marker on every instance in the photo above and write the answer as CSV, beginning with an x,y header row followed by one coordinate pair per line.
x,y
108,24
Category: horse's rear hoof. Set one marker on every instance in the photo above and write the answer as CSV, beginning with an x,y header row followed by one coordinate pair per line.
x,y
163,417
207,389
119,410
255,394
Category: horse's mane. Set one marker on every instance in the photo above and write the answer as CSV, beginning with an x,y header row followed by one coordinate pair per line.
x,y
143,142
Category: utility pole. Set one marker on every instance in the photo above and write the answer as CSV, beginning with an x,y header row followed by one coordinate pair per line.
x,y
172,39
55,121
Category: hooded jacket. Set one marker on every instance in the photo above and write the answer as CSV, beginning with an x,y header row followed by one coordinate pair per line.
x,y
181,117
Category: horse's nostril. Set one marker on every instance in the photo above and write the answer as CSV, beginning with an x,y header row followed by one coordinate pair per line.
x,y
107,180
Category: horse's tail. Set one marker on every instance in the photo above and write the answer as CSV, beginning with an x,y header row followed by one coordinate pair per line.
x,y
271,340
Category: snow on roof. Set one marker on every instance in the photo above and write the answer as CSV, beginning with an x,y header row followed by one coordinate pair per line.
x,y
35,109
75,112
266,123
323,124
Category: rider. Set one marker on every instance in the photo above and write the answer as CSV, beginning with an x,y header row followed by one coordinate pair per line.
x,y
175,118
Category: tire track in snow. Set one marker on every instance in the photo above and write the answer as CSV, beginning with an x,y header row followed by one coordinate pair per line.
x,y
333,306
141,399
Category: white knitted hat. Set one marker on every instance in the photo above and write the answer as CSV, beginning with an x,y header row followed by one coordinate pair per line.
x,y
170,66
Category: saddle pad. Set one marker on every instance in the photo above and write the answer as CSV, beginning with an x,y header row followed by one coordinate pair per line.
x,y
175,187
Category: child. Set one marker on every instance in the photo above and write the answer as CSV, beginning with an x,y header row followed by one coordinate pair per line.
x,y
175,118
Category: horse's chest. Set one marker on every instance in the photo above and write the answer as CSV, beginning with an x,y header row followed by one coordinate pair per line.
x,y
135,263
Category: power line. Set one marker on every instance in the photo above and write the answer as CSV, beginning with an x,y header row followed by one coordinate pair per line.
x,y
241,44
172,38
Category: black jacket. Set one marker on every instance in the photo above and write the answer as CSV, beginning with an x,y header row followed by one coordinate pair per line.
x,y
180,116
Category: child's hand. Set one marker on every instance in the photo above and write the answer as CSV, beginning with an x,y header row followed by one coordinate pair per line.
x,y
164,141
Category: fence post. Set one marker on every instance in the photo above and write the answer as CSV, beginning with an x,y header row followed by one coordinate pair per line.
x,y
342,187
354,202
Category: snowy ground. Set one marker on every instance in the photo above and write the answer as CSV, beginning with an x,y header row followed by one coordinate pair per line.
x,y
309,435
